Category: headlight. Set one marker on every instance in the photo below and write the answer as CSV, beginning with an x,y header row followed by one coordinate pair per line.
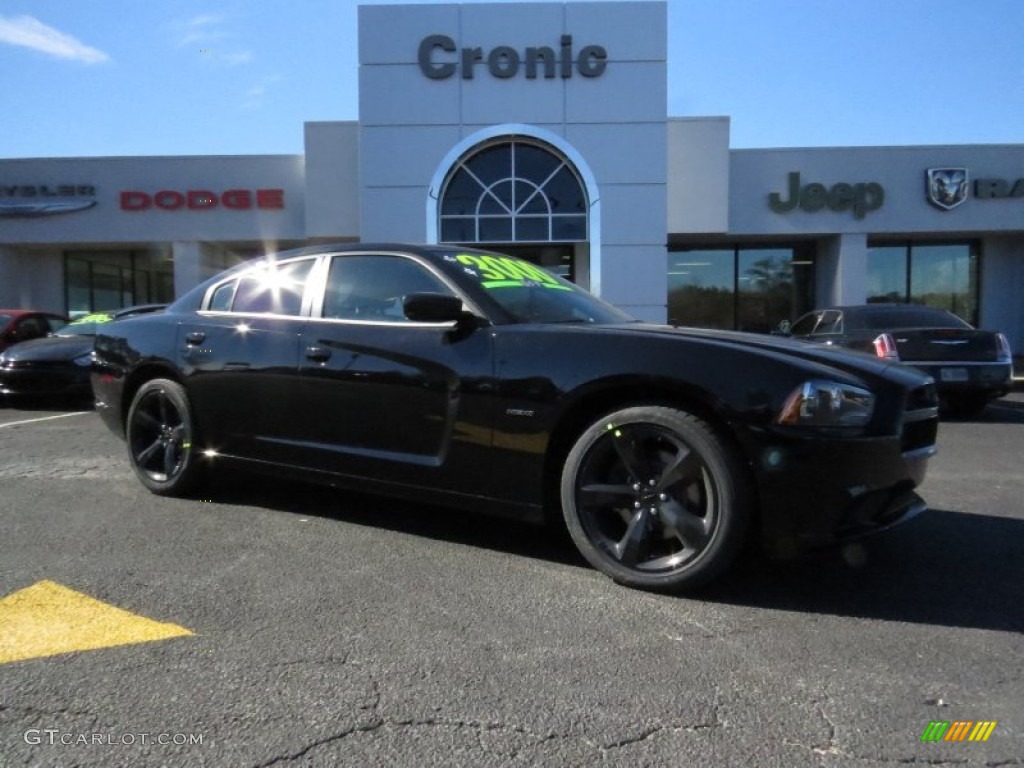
x,y
83,360
827,404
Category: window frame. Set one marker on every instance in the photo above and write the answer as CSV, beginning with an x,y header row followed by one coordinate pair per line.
x,y
310,285
317,306
513,212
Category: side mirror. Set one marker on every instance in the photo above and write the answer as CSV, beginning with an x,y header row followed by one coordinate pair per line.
x,y
432,307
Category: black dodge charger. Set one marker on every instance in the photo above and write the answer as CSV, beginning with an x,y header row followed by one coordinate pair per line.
x,y
478,380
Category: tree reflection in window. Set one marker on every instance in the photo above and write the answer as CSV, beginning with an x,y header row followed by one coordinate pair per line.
x,y
513,192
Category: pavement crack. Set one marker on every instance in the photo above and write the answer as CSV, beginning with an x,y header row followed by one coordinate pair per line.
x,y
379,723
329,659
651,732
292,756
36,711
829,745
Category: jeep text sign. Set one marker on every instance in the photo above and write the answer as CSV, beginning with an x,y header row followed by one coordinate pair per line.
x,y
859,198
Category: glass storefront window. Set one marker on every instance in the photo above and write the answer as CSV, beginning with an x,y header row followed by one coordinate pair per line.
x,y
937,275
701,288
95,281
887,274
748,289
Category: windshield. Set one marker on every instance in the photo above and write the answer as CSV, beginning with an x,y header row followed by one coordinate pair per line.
x,y
84,326
531,294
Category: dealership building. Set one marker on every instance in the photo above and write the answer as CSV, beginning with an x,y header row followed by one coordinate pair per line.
x,y
540,130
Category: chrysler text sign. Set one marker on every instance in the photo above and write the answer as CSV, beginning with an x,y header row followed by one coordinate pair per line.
x,y
203,200
32,200
860,198
440,58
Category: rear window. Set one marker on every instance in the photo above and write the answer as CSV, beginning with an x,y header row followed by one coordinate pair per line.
x,y
886,319
274,288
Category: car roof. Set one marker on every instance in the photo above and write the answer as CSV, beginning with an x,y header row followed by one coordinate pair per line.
x,y
882,306
191,298
20,312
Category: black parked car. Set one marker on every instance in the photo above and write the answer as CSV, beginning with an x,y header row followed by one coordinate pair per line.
x,y
970,367
451,375
58,365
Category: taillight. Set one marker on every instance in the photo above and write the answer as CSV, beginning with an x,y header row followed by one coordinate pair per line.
x,y
885,347
1003,353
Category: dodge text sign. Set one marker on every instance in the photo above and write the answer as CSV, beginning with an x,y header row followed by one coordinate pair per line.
x,y
203,200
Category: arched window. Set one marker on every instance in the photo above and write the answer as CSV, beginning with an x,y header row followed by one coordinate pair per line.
x,y
513,191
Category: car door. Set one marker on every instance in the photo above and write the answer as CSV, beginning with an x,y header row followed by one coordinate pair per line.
x,y
385,397
240,357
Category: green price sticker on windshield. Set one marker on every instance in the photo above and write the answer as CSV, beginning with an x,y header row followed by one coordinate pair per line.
x,y
506,272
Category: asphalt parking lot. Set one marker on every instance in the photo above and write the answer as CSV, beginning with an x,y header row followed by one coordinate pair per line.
x,y
267,623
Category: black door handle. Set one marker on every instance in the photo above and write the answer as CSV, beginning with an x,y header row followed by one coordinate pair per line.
x,y
194,338
318,354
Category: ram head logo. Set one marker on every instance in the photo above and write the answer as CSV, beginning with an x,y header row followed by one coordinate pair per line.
x,y
947,187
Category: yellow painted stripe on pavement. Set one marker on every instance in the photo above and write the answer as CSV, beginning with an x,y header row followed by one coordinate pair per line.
x,y
47,618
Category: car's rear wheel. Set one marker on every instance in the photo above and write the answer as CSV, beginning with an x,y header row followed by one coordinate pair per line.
x,y
160,434
655,499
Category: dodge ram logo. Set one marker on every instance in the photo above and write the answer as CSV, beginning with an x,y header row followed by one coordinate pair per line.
x,y
947,187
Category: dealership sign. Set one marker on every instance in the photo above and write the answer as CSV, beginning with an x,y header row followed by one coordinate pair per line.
x,y
440,58
860,198
31,200
203,200
946,188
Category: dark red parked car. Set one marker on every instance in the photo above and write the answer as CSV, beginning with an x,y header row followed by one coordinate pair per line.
x,y
17,325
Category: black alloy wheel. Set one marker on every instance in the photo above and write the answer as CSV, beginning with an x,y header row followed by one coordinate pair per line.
x,y
655,499
160,438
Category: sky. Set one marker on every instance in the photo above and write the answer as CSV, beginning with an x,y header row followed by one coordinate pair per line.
x,y
184,77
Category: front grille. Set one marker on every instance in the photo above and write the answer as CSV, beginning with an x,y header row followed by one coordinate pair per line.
x,y
921,420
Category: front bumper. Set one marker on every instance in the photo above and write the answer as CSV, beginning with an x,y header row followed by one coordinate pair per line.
x,y
818,491
44,379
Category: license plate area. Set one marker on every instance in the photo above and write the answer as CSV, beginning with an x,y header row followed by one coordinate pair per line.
x,y
953,374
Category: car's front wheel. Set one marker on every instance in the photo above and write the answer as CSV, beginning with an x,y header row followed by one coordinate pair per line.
x,y
655,498
160,435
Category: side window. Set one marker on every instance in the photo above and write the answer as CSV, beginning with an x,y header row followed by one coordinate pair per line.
x,y
55,323
223,296
31,328
373,287
274,290
805,325
831,323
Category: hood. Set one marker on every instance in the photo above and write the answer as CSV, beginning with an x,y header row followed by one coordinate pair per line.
x,y
850,360
50,349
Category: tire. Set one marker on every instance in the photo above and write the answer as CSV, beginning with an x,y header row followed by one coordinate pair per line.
x,y
160,435
655,499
